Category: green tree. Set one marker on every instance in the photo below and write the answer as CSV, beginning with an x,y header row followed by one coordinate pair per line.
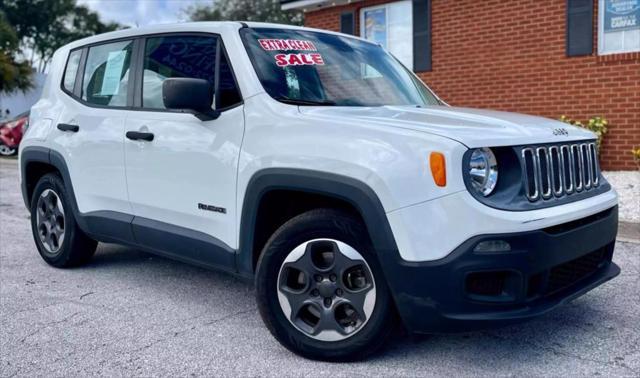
x,y
245,10
86,23
42,26
14,74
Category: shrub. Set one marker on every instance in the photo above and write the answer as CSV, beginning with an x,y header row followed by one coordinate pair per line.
x,y
636,155
596,124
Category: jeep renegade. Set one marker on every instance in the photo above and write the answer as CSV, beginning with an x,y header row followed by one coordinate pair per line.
x,y
317,165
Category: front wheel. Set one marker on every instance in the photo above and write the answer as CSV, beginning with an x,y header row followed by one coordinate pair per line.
x,y
320,289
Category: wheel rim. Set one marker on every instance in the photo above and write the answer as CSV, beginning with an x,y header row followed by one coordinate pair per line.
x,y
50,221
6,150
326,289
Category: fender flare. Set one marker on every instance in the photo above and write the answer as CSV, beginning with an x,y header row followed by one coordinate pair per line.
x,y
32,154
348,189
37,154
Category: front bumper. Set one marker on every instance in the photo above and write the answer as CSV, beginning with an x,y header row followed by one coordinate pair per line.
x,y
470,290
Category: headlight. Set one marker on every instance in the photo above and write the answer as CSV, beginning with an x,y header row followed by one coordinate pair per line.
x,y
483,170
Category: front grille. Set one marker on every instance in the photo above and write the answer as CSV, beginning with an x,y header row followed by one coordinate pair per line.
x,y
559,170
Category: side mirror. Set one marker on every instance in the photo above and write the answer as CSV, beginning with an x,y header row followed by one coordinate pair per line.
x,y
191,95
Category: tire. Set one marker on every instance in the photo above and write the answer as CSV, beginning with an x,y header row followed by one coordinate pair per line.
x,y
287,275
58,238
6,150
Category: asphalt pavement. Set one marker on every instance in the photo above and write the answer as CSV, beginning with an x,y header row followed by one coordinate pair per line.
x,y
133,314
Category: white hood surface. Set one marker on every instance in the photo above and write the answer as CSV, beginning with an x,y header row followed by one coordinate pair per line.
x,y
472,127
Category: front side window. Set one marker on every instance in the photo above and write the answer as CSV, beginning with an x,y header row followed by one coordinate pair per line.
x,y
69,79
106,74
314,68
188,57
619,26
176,56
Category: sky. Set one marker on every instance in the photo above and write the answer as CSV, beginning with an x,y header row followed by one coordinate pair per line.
x,y
141,12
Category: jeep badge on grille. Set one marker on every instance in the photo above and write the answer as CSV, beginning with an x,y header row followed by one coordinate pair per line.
x,y
561,131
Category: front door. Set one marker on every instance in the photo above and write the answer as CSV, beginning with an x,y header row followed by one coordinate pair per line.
x,y
182,183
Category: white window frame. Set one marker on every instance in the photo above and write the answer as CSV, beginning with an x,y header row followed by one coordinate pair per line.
x,y
601,48
386,6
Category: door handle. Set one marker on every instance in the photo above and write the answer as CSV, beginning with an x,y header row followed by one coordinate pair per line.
x,y
68,127
138,135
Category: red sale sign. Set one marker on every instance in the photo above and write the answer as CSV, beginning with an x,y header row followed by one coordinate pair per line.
x,y
299,59
286,45
283,60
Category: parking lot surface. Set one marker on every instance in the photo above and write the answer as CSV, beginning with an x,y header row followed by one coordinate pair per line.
x,y
131,313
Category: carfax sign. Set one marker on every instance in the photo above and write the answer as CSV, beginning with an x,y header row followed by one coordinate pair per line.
x,y
621,15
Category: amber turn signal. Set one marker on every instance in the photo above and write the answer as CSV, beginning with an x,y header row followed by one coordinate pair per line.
x,y
438,168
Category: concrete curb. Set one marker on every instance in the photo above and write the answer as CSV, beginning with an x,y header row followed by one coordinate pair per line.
x,y
629,232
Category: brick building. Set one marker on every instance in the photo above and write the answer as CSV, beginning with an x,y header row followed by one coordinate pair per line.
x,y
579,58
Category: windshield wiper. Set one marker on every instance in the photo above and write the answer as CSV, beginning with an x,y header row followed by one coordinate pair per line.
x,y
295,101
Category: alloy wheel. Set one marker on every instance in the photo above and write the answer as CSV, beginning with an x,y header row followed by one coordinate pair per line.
x,y
50,221
6,150
326,289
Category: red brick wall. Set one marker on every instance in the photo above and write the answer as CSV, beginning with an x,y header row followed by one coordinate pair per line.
x,y
510,55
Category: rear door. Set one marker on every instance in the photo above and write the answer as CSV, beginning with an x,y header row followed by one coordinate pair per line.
x,y
89,132
182,184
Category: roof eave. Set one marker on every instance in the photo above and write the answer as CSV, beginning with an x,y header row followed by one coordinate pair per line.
x,y
311,5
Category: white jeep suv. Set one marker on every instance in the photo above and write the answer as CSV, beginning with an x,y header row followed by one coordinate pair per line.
x,y
317,165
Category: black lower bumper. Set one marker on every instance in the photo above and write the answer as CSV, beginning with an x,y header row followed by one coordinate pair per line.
x,y
471,290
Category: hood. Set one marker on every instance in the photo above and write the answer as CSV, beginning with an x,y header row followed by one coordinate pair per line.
x,y
472,127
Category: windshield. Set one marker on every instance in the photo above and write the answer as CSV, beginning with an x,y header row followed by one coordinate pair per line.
x,y
311,68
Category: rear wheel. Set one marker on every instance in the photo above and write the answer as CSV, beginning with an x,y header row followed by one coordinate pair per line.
x,y
58,238
320,289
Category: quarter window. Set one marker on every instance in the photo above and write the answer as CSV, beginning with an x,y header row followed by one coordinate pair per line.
x,y
228,94
71,70
106,75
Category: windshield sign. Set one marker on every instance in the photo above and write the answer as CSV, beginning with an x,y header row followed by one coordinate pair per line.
x,y
301,59
312,68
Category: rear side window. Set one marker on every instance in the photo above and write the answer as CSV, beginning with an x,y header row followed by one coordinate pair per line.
x,y
184,56
106,74
69,79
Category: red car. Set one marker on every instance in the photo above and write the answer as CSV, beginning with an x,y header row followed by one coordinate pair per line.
x,y
11,134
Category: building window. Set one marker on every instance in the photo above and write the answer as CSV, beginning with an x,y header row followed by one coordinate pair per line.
x,y
618,26
391,26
